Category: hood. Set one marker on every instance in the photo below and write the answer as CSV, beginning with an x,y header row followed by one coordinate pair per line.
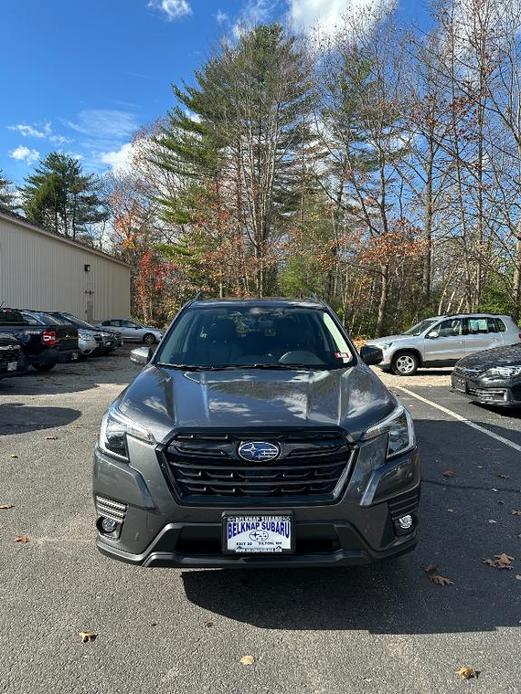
x,y
162,399
489,358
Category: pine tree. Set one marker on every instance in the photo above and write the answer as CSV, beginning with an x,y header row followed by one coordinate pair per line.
x,y
60,197
7,196
234,141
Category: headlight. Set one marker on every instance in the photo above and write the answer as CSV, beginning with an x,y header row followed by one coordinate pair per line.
x,y
503,372
400,430
115,427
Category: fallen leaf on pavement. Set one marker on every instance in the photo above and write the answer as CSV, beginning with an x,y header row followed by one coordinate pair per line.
x,y
492,521
448,473
247,660
440,580
22,539
13,455
501,561
503,477
431,569
5,507
467,673
87,636
51,438
518,576
516,512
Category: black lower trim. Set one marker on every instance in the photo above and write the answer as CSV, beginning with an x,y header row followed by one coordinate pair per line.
x,y
440,362
350,549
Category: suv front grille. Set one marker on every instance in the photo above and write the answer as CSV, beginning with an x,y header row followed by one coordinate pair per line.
x,y
312,463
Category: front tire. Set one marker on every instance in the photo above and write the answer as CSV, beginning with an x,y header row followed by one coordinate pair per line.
x,y
405,364
149,339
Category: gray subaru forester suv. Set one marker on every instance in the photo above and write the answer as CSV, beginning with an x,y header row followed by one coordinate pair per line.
x,y
255,436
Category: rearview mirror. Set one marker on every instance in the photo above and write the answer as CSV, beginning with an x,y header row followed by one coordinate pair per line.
x,y
371,355
141,355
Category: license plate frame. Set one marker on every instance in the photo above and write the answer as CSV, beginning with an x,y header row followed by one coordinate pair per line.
x,y
255,547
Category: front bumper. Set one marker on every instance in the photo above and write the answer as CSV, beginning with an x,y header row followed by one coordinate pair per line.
x,y
357,529
12,367
502,393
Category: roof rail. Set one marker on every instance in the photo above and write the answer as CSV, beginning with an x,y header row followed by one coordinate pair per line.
x,y
197,296
317,299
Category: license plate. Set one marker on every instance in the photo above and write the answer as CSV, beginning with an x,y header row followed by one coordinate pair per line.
x,y
258,534
460,384
12,365
74,356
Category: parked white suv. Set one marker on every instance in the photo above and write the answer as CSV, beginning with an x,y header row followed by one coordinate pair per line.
x,y
442,340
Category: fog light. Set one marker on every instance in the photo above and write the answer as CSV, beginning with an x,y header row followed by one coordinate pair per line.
x,y
405,522
108,525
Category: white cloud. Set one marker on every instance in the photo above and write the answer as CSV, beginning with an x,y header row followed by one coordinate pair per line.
x,y
23,153
221,17
253,13
30,130
326,16
119,160
104,124
39,131
59,139
173,9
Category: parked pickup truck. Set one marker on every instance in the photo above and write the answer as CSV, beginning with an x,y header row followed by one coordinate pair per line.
x,y
12,360
43,345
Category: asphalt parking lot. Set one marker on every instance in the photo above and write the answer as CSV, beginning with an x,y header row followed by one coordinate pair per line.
x,y
387,628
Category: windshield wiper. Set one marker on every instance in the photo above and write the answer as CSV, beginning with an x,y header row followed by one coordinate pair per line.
x,y
224,367
279,366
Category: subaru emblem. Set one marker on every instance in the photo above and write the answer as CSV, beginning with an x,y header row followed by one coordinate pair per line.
x,y
257,451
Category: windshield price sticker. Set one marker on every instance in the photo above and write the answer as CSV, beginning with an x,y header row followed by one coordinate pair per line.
x,y
258,534
344,356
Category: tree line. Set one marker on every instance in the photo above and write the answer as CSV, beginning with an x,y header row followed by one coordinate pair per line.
x,y
379,168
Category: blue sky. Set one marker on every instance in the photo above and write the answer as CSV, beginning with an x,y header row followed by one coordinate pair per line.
x,y
80,76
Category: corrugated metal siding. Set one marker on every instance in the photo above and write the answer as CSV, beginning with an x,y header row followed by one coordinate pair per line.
x,y
42,272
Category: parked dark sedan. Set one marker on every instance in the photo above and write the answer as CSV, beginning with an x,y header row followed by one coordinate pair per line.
x,y
12,360
490,377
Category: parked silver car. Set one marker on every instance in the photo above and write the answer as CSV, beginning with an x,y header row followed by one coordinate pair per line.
x,y
131,331
443,340
105,341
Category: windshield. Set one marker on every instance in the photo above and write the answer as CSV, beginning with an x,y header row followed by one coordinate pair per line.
x,y
420,327
48,318
77,321
254,336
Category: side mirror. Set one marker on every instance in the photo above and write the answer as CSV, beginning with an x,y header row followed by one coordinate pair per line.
x,y
141,355
371,355
433,335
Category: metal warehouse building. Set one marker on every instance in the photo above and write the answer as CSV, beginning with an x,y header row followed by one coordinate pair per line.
x,y
41,270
